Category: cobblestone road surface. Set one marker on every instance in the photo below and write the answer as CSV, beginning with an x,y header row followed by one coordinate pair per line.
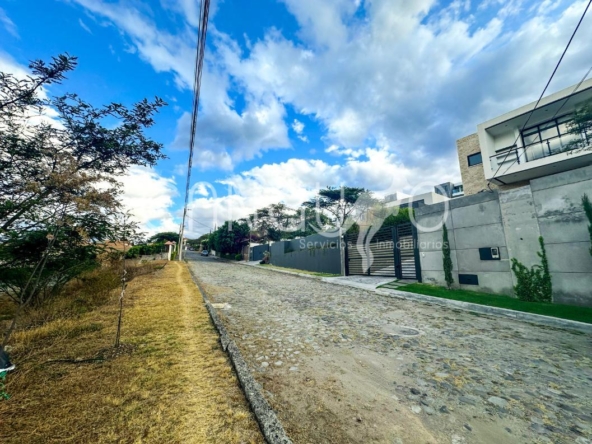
x,y
346,365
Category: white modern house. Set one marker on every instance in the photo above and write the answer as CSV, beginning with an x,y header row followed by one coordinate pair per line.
x,y
519,146
418,200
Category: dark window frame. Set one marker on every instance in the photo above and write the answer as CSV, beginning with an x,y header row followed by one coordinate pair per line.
x,y
474,155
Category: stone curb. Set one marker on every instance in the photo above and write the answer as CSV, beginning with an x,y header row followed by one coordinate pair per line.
x,y
269,423
293,273
494,311
460,305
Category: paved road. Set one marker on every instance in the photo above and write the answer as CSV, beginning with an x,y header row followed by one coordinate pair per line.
x,y
346,365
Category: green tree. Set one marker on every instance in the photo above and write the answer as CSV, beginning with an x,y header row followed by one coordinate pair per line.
x,y
341,203
166,236
447,260
59,194
580,127
230,237
588,210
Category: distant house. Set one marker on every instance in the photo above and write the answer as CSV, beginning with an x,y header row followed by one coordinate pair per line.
x,y
506,155
416,201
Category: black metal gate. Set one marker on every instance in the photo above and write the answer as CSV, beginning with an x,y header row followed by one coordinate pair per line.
x,y
394,253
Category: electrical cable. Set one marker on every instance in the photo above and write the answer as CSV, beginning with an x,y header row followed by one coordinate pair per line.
x,y
204,12
565,100
543,93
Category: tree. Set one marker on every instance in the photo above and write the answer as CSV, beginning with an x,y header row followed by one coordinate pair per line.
x,y
580,127
59,194
447,260
166,236
344,204
230,237
588,210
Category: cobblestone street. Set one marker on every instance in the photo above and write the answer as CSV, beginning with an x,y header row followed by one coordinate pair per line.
x,y
343,364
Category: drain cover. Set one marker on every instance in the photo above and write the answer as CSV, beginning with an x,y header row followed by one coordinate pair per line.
x,y
396,330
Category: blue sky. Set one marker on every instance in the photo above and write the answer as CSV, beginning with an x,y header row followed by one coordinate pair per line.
x,y
300,94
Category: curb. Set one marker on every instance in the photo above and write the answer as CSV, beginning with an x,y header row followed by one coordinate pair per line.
x,y
293,273
270,425
532,318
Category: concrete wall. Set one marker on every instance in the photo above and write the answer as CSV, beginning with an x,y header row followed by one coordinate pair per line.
x,y
564,226
473,222
513,220
316,253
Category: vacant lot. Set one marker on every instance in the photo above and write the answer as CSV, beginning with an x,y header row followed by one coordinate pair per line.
x,y
171,382
342,365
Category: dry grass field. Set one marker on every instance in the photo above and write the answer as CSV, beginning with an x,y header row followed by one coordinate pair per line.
x,y
170,382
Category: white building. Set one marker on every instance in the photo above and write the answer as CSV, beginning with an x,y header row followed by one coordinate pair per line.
x,y
506,154
414,201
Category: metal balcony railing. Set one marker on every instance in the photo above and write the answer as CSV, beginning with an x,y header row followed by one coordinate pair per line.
x,y
506,157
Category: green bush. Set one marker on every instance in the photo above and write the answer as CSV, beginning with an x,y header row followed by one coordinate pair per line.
x,y
238,257
533,284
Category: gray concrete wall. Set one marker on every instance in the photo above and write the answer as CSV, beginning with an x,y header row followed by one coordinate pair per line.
x,y
513,220
315,253
564,226
473,222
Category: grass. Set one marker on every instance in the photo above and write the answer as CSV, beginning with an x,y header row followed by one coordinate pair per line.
x,y
169,382
580,314
294,270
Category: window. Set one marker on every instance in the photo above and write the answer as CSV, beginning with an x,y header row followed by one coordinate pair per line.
x,y
475,159
547,138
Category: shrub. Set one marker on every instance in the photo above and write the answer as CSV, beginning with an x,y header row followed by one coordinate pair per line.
x,y
447,260
588,210
238,257
533,284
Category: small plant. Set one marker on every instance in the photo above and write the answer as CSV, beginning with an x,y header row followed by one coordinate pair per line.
x,y
3,394
238,257
588,210
446,258
533,284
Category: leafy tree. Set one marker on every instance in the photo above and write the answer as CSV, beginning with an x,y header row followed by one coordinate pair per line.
x,y
59,194
342,203
230,237
580,127
447,260
401,217
588,210
161,238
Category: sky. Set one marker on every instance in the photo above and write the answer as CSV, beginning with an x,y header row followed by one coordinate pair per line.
x,y
298,95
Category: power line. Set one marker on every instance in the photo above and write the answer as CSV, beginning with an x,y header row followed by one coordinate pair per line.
x,y
204,12
554,115
543,93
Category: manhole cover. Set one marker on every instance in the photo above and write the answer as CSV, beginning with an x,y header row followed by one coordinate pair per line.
x,y
396,330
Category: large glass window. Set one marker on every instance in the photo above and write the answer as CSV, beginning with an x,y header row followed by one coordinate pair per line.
x,y
475,159
547,138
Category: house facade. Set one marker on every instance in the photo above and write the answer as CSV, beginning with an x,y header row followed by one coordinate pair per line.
x,y
510,150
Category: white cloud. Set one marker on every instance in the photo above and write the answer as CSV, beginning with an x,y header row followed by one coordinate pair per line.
x,y
149,197
298,128
8,24
226,136
297,180
84,26
419,76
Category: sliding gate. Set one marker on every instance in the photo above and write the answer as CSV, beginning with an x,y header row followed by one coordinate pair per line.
x,y
393,253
